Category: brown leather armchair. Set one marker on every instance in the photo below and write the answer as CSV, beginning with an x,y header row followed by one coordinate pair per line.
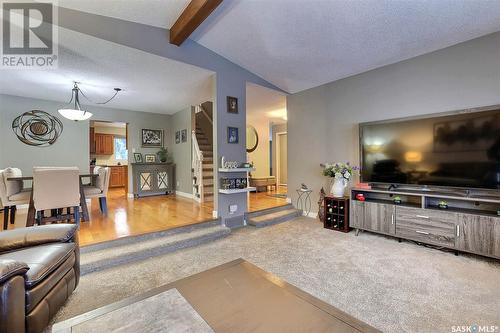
x,y
39,269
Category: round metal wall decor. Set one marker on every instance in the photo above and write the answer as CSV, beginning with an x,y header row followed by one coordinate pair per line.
x,y
37,128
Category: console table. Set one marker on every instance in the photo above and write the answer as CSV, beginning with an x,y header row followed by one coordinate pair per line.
x,y
153,179
469,224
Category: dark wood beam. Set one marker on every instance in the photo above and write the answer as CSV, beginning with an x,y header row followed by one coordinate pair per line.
x,y
191,18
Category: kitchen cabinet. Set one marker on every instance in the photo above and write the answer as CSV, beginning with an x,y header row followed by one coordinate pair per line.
x,y
118,176
104,144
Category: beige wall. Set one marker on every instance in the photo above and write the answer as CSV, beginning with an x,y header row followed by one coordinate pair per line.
x,y
323,121
260,156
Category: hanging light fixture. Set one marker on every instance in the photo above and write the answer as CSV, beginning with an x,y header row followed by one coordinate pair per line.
x,y
75,112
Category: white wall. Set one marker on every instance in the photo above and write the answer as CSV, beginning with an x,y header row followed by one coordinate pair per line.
x,y
323,121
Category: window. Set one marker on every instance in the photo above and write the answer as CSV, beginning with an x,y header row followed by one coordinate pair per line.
x,y
121,152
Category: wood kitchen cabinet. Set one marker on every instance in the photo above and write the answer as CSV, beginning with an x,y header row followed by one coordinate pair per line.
x,y
118,177
104,144
92,140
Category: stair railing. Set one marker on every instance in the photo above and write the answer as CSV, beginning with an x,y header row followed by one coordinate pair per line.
x,y
199,109
197,167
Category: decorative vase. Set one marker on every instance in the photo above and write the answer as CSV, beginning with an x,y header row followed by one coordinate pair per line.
x,y
338,187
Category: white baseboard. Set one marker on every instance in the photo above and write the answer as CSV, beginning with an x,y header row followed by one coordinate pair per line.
x,y
130,195
184,194
311,214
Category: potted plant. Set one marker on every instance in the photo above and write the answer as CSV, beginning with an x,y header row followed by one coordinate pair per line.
x,y
341,174
163,155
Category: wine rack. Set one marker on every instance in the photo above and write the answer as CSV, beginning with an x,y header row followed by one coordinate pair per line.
x,y
336,213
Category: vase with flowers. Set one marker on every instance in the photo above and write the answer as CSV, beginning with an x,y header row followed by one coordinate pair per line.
x,y
341,174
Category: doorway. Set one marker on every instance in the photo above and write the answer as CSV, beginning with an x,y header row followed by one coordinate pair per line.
x,y
109,148
281,158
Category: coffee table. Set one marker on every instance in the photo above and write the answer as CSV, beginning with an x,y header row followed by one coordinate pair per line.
x,y
234,297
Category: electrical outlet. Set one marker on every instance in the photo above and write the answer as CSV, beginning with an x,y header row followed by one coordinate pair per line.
x,y
233,209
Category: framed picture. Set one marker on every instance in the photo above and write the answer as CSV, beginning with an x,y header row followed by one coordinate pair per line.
x,y
178,137
138,157
184,136
152,138
150,158
232,104
232,135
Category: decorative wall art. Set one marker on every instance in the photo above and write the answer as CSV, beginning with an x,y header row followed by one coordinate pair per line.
x,y
178,137
232,104
232,135
37,128
184,135
152,138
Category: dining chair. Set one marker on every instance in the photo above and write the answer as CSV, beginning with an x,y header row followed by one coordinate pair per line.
x,y
99,187
56,188
12,193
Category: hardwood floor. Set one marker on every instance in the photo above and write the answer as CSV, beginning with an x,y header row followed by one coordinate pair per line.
x,y
127,216
263,200
130,217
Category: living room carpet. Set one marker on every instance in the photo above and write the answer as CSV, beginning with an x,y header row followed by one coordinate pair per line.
x,y
395,287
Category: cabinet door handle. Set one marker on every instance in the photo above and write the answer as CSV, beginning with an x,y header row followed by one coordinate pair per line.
x,y
392,219
458,230
423,216
421,232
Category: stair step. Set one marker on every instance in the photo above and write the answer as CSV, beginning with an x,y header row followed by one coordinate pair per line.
x,y
208,160
274,217
269,210
208,167
131,249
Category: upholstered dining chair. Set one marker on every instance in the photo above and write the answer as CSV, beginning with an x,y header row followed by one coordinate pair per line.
x,y
55,189
99,187
12,193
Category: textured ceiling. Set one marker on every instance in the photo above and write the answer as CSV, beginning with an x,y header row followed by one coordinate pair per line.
x,y
150,83
299,44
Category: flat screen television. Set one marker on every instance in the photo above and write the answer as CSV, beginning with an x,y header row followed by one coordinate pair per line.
x,y
459,149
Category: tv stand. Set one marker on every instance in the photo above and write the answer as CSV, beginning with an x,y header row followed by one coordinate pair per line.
x,y
470,223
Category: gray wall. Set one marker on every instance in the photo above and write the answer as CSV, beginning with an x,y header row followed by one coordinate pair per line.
x,y
182,151
72,148
322,122
230,80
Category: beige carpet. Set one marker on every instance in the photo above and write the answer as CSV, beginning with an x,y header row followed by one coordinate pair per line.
x,y
395,287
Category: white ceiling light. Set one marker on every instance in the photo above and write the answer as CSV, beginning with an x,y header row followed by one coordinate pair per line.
x,y
76,113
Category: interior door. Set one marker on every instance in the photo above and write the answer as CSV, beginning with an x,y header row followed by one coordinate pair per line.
x,y
282,159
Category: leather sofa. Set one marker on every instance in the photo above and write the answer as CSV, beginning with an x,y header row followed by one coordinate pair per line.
x,y
39,269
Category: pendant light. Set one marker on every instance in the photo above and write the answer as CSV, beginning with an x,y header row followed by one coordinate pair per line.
x,y
75,112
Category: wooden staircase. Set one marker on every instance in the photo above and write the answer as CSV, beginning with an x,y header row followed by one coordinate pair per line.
x,y
204,187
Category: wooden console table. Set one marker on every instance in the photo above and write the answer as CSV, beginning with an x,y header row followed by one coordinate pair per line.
x,y
153,179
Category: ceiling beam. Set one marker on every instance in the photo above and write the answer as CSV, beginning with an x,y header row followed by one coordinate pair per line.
x,y
191,18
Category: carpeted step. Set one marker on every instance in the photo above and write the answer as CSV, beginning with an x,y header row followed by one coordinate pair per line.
x,y
131,249
274,217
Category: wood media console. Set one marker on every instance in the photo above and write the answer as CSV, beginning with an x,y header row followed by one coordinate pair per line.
x,y
470,223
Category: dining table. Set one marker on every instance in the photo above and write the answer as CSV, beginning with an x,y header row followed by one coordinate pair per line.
x,y
30,220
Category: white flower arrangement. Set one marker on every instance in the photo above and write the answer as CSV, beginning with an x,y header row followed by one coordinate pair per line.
x,y
339,170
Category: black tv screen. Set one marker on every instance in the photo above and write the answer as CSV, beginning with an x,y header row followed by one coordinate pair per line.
x,y
458,150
